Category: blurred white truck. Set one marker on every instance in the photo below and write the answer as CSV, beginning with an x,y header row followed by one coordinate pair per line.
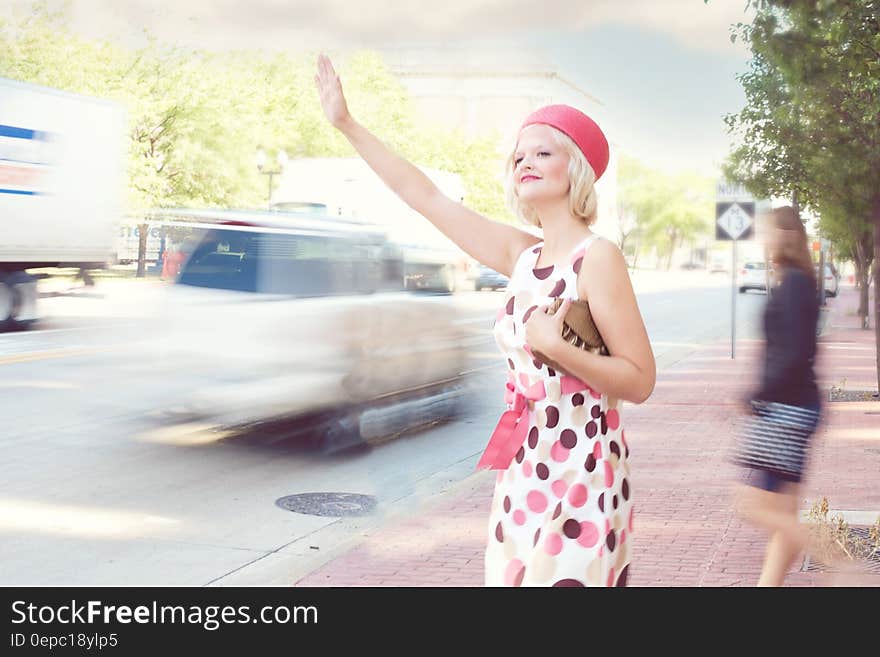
x,y
60,189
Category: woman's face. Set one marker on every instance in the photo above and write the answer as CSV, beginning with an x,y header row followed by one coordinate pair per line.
x,y
540,166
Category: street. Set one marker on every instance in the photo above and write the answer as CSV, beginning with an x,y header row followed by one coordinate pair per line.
x,y
95,492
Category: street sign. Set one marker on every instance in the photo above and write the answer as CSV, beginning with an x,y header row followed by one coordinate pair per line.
x,y
730,191
735,221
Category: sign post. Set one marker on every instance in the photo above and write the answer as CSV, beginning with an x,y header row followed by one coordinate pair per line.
x,y
734,221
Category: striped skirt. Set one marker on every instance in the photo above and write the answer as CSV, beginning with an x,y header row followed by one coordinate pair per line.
x,y
776,439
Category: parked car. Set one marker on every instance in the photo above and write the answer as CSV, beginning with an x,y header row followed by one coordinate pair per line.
x,y
288,316
488,278
753,276
831,279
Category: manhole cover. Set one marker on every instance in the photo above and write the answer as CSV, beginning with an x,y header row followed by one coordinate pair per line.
x,y
335,505
869,564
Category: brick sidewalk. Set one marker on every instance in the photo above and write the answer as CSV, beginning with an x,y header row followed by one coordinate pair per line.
x,y
686,533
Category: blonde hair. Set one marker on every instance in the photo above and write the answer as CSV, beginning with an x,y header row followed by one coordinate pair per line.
x,y
582,199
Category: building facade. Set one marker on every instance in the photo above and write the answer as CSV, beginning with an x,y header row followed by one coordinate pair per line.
x,y
488,93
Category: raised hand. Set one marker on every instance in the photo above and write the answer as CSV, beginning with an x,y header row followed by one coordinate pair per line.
x,y
330,92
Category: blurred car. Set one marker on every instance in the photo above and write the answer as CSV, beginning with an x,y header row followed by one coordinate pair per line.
x,y
488,278
753,276
831,279
288,316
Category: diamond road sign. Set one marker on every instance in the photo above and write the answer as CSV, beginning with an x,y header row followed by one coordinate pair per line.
x,y
735,221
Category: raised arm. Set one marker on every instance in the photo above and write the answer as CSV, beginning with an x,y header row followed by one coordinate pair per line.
x,y
490,242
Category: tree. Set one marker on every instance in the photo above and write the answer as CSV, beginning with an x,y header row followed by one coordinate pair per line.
x,y
812,123
851,236
667,210
195,119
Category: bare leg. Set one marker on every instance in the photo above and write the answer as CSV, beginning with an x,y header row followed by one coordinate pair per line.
x,y
777,513
781,554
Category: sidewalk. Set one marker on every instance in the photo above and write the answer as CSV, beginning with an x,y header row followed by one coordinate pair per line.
x,y
686,533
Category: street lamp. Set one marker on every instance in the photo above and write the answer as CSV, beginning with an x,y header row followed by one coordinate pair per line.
x,y
261,167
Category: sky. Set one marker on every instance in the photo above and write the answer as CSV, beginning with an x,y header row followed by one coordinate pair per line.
x,y
663,70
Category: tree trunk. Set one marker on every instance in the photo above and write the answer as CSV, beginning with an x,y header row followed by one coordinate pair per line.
x,y
863,275
143,230
876,221
672,242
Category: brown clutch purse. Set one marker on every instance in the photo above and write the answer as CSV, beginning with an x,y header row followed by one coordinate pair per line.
x,y
578,329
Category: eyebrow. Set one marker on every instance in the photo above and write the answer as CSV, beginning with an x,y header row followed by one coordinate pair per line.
x,y
538,147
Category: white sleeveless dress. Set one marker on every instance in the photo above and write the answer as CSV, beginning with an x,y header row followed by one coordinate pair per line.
x,y
562,510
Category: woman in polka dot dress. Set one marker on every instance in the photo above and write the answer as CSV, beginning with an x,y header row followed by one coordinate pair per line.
x,y
562,510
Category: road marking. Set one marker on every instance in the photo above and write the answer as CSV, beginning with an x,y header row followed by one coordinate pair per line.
x,y
185,434
50,354
40,385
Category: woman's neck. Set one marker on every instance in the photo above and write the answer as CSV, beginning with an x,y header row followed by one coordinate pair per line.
x,y
561,231
560,237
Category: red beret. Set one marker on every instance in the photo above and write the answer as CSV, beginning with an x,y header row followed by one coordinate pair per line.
x,y
581,128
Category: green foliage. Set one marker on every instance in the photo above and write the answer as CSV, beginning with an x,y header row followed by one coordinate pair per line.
x,y
195,119
810,129
811,126
667,210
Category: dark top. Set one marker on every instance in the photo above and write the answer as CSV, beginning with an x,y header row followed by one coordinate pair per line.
x,y
790,320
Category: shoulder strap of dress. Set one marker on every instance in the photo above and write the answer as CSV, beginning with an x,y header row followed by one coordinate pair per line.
x,y
588,241
581,248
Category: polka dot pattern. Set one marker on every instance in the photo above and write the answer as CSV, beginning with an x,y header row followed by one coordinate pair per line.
x,y
543,273
513,574
552,417
509,308
577,495
568,582
612,417
533,437
589,535
571,528
568,438
559,453
537,501
562,512
553,544
590,463
559,487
